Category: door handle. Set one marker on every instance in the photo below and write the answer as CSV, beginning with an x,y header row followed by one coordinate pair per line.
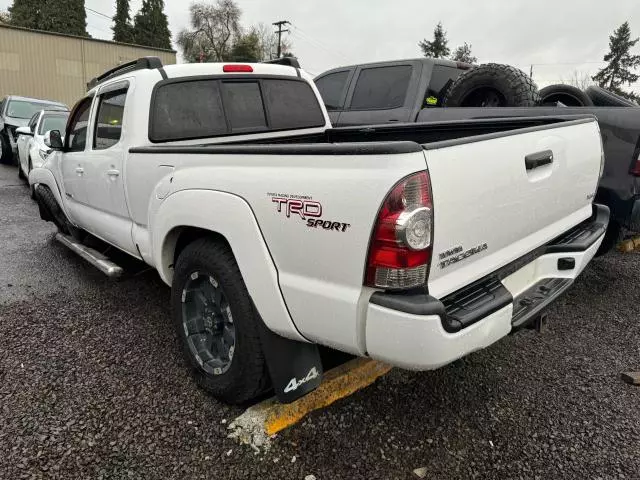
x,y
113,173
538,159
79,170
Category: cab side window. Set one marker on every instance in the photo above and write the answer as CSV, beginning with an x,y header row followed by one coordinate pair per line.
x,y
108,128
77,129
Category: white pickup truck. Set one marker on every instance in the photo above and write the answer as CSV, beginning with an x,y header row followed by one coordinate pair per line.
x,y
412,244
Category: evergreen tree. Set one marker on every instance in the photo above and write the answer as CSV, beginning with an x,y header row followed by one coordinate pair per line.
x,y
26,13
463,54
64,16
122,28
438,47
621,63
246,48
61,16
151,28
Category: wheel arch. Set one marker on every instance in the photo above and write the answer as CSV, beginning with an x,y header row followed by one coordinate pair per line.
x,y
44,176
180,219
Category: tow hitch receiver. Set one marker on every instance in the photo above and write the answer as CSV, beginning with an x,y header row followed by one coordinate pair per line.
x,y
540,323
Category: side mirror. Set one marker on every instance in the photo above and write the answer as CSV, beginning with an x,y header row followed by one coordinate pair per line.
x,y
53,140
24,131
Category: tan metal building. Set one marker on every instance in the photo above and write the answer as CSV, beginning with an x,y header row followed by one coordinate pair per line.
x,y
53,66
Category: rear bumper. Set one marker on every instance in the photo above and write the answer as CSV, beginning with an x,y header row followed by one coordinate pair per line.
x,y
419,332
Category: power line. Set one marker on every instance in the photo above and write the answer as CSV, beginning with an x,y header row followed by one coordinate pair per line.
x,y
98,29
316,43
97,13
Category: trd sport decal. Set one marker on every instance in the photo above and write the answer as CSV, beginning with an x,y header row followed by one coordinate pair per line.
x,y
308,210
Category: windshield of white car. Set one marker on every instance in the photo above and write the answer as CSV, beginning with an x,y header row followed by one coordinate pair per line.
x,y
25,109
53,122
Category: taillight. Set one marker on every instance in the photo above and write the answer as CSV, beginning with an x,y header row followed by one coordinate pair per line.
x,y
400,249
635,169
237,68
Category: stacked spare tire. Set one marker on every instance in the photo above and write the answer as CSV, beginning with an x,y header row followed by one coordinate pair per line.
x,y
492,85
496,85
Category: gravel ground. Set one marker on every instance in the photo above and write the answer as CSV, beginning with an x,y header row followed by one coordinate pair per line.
x,y
92,385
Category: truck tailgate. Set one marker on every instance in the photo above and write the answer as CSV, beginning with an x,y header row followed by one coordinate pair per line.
x,y
498,197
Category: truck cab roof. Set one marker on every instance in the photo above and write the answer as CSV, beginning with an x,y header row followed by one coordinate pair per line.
x,y
195,70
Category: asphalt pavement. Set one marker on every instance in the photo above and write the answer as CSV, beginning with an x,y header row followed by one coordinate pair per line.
x,y
93,385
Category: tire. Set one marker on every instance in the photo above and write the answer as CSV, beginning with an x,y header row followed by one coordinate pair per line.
x,y
612,238
492,85
21,174
47,200
49,203
6,155
566,94
244,376
604,98
29,168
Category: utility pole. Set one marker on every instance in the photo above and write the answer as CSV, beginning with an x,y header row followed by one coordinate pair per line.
x,y
531,72
280,31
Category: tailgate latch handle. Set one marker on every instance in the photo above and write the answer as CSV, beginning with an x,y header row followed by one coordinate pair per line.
x,y
539,159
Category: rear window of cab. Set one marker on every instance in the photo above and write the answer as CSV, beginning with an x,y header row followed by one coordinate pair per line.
x,y
194,108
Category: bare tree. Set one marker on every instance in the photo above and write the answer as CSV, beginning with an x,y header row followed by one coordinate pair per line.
x,y
214,29
581,80
267,39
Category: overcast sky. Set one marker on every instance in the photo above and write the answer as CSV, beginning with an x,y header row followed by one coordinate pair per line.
x,y
558,36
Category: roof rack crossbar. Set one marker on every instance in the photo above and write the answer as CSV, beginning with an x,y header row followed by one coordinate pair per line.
x,y
288,61
144,63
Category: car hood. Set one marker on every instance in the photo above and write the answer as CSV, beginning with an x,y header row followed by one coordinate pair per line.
x,y
16,122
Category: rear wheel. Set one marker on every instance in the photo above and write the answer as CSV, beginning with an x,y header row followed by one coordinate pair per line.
x,y
217,323
21,174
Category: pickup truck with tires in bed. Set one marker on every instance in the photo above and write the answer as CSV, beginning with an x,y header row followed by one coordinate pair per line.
x,y
426,89
279,234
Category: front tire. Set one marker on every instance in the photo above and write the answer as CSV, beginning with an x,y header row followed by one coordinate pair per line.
x,y
6,155
217,323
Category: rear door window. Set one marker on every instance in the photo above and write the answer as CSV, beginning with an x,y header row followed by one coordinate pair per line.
x,y
332,88
441,78
381,88
108,128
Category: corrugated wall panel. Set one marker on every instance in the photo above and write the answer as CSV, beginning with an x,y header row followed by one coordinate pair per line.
x,y
58,67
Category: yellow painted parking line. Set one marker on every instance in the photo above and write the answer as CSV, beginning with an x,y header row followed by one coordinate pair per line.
x,y
261,421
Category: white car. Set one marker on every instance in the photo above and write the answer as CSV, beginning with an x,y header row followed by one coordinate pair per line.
x,y
414,244
32,151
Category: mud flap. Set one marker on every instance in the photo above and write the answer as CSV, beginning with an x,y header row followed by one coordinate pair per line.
x,y
295,367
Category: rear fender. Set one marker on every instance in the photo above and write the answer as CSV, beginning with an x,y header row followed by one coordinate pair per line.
x,y
230,216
